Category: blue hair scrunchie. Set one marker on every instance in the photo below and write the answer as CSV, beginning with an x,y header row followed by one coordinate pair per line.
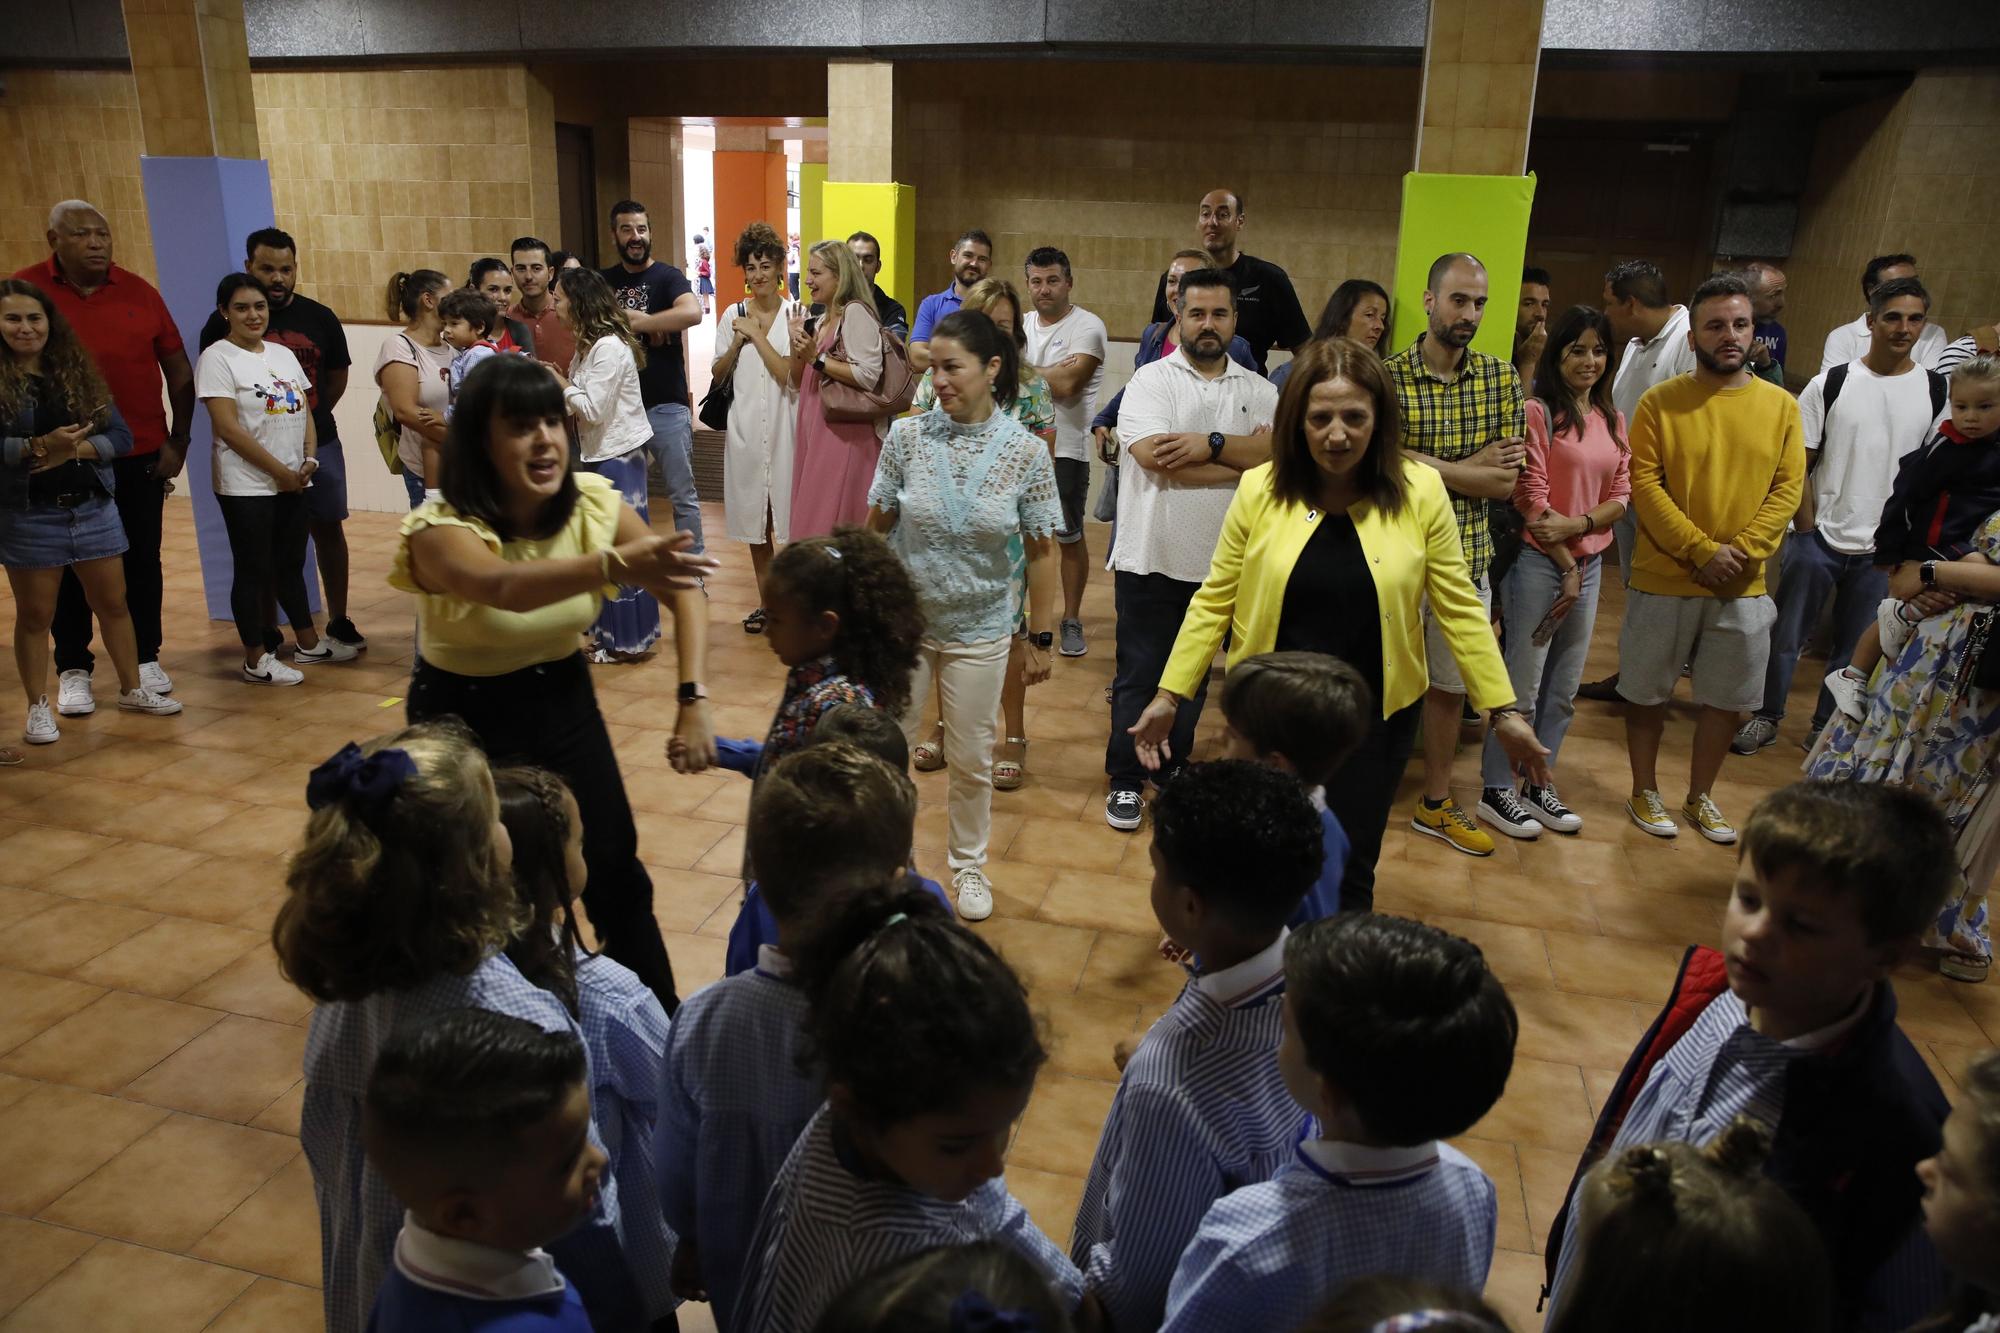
x,y
973,1313
366,782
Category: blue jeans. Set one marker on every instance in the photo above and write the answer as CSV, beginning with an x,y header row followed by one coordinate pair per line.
x,y
672,446
1545,678
413,486
1809,569
1150,609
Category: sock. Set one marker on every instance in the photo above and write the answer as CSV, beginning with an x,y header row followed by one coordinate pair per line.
x,y
1854,675
1429,804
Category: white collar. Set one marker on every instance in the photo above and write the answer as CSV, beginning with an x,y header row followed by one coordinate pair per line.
x,y
466,1268
1230,370
772,963
1318,797
1676,323
1358,1164
1250,980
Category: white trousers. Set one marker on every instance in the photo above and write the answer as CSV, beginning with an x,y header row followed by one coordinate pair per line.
x,y
969,678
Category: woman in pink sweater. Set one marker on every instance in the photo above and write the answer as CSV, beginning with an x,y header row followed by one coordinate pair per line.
x,y
1576,484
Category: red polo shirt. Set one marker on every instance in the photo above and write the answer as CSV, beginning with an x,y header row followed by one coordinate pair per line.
x,y
554,343
126,326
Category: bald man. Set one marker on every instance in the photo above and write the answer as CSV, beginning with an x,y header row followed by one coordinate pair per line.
x,y
1267,309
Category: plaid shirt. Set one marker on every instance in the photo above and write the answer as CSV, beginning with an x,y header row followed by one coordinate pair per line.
x,y
1453,419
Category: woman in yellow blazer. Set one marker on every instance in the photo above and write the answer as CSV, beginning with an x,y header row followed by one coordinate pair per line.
x,y
1331,548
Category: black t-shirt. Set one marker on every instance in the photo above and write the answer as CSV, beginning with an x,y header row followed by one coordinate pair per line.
x,y
1330,603
648,292
1267,309
310,332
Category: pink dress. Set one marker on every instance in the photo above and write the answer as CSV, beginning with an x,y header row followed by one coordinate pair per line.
x,y
833,462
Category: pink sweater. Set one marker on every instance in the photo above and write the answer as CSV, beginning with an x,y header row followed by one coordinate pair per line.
x,y
1573,475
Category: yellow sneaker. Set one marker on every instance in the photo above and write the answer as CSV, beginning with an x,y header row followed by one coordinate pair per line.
x,y
1707,820
1649,812
1450,824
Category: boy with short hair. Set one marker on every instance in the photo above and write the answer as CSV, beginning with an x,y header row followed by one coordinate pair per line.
x,y
1202,1109
1396,1037
826,820
1303,714
480,1124
469,317
1793,1023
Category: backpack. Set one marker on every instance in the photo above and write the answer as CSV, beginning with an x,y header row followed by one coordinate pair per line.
x,y
1837,377
891,395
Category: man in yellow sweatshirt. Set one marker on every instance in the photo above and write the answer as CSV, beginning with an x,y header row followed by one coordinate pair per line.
x,y
1718,467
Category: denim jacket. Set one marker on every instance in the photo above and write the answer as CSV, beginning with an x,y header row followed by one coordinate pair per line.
x,y
114,441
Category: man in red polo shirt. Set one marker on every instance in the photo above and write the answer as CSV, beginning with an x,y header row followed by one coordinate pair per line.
x,y
122,320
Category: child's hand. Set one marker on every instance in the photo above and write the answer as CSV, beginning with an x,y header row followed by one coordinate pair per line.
x,y
685,1280
1175,953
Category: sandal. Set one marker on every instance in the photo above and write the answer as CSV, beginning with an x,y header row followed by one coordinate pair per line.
x,y
1008,773
754,622
9,756
928,756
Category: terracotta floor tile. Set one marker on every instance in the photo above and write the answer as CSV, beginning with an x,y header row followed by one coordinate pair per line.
x,y
725,856
1083,1030
1497,1160
30,1002
1662,918
68,935
251,985
1544,1105
230,1072
33,853
1423,891
1130,967
31,1253
1019,889
121,874
1956,1061
663,791
1518,955
19,904
127,760
1563,1025
1543,902
1045,957
55,1136
933,830
168,957
217,888
1929,1009
183,819
118,1286
174,1184
261,831
1626,969
1059,1133
1597,1086
1514,1288
109,1043
1054,798
91,805
675,840
1100,902
697,960
13,1089
1137,863
1545,1177
1574,860
1050,1199
1982,1004
274,1232
268,1306
1067,844
282,1116
210,770
729,804
684,899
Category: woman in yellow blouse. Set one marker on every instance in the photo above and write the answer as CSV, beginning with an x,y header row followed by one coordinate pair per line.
x,y
1331,548
511,564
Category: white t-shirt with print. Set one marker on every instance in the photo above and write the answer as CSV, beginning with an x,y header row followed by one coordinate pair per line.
x,y
1875,421
1079,333
269,390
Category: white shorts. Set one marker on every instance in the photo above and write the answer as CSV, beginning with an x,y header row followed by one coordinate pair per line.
x,y
1437,649
1726,639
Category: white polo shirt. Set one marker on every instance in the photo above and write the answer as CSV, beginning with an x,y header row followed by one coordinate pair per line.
x,y
1849,342
1165,527
1077,333
1654,361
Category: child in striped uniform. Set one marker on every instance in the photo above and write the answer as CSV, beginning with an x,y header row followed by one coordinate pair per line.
x,y
1201,1109
1396,1036
734,1093
930,1055
624,1027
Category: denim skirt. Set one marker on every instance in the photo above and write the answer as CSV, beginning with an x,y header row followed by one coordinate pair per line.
x,y
46,537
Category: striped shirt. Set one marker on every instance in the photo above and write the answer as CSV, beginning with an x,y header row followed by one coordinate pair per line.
x,y
1268,1255
626,1031
823,1226
732,1104
1201,1110
1453,419
1956,354
358,1215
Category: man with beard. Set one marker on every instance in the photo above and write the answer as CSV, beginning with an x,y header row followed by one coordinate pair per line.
x,y
1718,470
1531,324
1767,302
1462,414
971,259
1190,425
1268,313
659,303
312,333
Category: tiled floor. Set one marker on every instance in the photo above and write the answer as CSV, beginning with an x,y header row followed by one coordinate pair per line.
x,y
150,1176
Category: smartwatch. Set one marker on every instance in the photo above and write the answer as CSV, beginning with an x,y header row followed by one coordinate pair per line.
x,y
1042,640
1216,440
1928,570
819,364
691,691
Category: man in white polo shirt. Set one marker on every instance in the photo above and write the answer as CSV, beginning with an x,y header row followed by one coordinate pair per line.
x,y
1066,343
1850,342
1190,425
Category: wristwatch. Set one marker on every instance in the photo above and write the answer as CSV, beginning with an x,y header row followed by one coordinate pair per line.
x,y
1216,439
1929,572
1042,640
1499,713
691,691
819,364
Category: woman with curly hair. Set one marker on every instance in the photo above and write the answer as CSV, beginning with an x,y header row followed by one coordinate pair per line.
x,y
763,408
601,391
59,431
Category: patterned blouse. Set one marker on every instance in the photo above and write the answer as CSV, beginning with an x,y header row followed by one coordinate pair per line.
x,y
811,689
1034,404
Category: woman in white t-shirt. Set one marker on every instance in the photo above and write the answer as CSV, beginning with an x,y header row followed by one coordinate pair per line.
x,y
261,463
601,390
413,371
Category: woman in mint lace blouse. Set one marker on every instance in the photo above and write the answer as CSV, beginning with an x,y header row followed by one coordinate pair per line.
x,y
953,485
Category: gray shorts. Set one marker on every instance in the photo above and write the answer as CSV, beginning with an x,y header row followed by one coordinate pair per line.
x,y
1437,649
1073,492
1726,639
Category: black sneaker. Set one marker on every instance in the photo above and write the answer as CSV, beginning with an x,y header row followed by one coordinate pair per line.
x,y
1548,809
343,630
1123,810
1503,809
1603,691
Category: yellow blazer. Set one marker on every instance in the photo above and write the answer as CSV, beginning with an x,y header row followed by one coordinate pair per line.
x,y
1411,553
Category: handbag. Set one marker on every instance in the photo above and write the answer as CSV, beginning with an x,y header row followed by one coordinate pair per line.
x,y
721,395
388,431
891,395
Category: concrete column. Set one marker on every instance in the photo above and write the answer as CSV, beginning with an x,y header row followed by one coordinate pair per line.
x,y
191,62
864,146
1480,60
749,168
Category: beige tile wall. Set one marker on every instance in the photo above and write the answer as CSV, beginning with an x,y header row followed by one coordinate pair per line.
x,y
1479,86
70,134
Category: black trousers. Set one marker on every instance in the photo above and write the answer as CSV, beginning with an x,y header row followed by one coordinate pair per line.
x,y
1150,608
267,549
141,498
1362,793
547,716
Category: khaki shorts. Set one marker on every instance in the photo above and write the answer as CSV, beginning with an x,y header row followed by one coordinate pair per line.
x,y
1726,639
1437,649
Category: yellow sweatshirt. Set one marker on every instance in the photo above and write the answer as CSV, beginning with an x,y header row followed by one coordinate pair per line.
x,y
1709,467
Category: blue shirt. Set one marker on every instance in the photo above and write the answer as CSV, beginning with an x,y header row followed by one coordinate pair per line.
x,y
733,1101
824,1226
1323,898
1269,1255
1201,1110
932,309
439,1284
756,928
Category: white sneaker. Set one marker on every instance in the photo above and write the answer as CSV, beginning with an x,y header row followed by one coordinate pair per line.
x,y
270,671
41,728
1850,693
330,650
143,700
73,695
974,894
154,677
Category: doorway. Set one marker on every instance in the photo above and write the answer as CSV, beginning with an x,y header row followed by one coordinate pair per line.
x,y
576,191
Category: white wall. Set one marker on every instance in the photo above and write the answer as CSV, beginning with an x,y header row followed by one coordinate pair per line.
x,y
370,484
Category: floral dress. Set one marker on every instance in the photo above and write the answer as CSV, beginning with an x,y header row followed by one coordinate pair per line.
x,y
1930,729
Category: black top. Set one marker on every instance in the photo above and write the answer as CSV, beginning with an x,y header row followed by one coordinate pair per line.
x,y
663,379
71,478
1330,603
894,317
310,332
1267,309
